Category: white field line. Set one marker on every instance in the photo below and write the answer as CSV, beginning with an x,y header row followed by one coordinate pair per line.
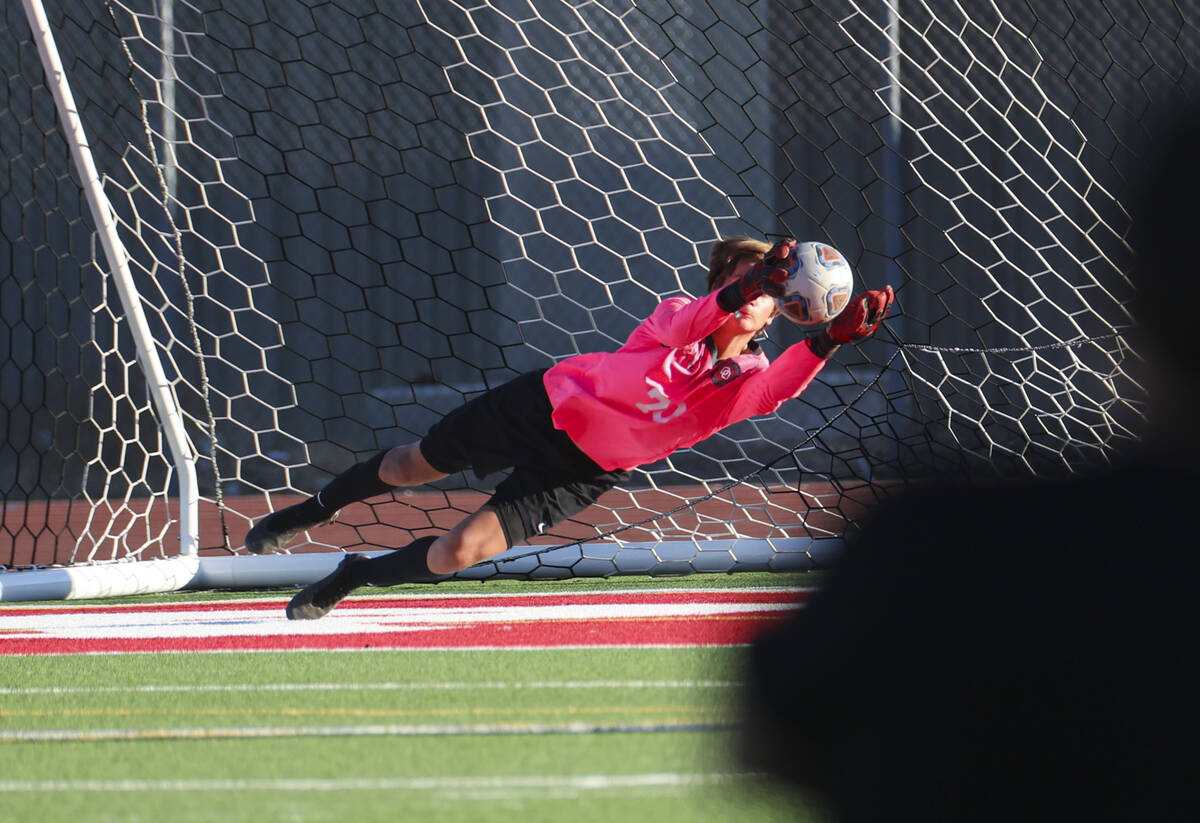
x,y
357,730
397,650
390,620
470,785
393,596
231,688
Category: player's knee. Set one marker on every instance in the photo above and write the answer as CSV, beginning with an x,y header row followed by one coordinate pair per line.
x,y
406,466
461,554
471,542
449,555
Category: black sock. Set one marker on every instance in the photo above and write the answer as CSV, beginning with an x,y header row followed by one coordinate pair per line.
x,y
407,565
358,482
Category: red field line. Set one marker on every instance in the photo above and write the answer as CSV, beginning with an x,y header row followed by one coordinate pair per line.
x,y
628,633
781,595
712,618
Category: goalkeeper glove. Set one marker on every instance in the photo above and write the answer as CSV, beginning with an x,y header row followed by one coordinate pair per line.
x,y
767,277
856,322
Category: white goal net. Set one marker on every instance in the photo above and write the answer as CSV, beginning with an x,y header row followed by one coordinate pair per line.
x,y
342,219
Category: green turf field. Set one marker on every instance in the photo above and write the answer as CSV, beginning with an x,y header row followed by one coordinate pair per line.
x,y
531,735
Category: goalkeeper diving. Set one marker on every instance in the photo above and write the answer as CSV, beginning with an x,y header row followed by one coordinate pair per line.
x,y
576,430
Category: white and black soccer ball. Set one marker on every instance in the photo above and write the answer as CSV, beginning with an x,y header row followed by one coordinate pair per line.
x,y
818,286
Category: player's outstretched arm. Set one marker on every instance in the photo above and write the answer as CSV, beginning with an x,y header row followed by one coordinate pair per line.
x,y
856,322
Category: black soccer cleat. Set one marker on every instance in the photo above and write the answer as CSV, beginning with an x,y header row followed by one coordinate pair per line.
x,y
267,536
318,599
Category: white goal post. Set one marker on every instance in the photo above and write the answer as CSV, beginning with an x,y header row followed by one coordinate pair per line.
x,y
309,230
105,580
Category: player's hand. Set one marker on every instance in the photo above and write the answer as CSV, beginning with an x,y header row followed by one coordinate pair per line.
x,y
769,274
861,318
857,321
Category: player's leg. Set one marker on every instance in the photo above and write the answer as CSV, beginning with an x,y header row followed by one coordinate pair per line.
x,y
484,433
504,427
525,504
425,560
399,466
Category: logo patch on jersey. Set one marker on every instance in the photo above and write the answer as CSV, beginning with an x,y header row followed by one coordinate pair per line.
x,y
725,371
827,255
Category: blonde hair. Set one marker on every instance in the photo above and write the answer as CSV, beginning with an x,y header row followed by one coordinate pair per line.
x,y
726,252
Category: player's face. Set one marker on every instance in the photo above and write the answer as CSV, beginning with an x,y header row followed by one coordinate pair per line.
x,y
759,312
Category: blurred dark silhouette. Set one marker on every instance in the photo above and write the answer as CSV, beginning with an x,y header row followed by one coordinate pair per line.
x,y
1021,651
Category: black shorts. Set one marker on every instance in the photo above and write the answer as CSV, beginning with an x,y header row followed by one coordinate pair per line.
x,y
510,426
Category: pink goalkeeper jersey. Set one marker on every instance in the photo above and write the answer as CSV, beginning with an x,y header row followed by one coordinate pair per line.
x,y
664,390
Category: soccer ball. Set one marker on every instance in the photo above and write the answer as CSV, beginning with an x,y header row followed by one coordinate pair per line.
x,y
818,286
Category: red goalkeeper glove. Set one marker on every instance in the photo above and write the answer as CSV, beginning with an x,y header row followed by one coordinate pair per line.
x,y
770,273
767,277
856,322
